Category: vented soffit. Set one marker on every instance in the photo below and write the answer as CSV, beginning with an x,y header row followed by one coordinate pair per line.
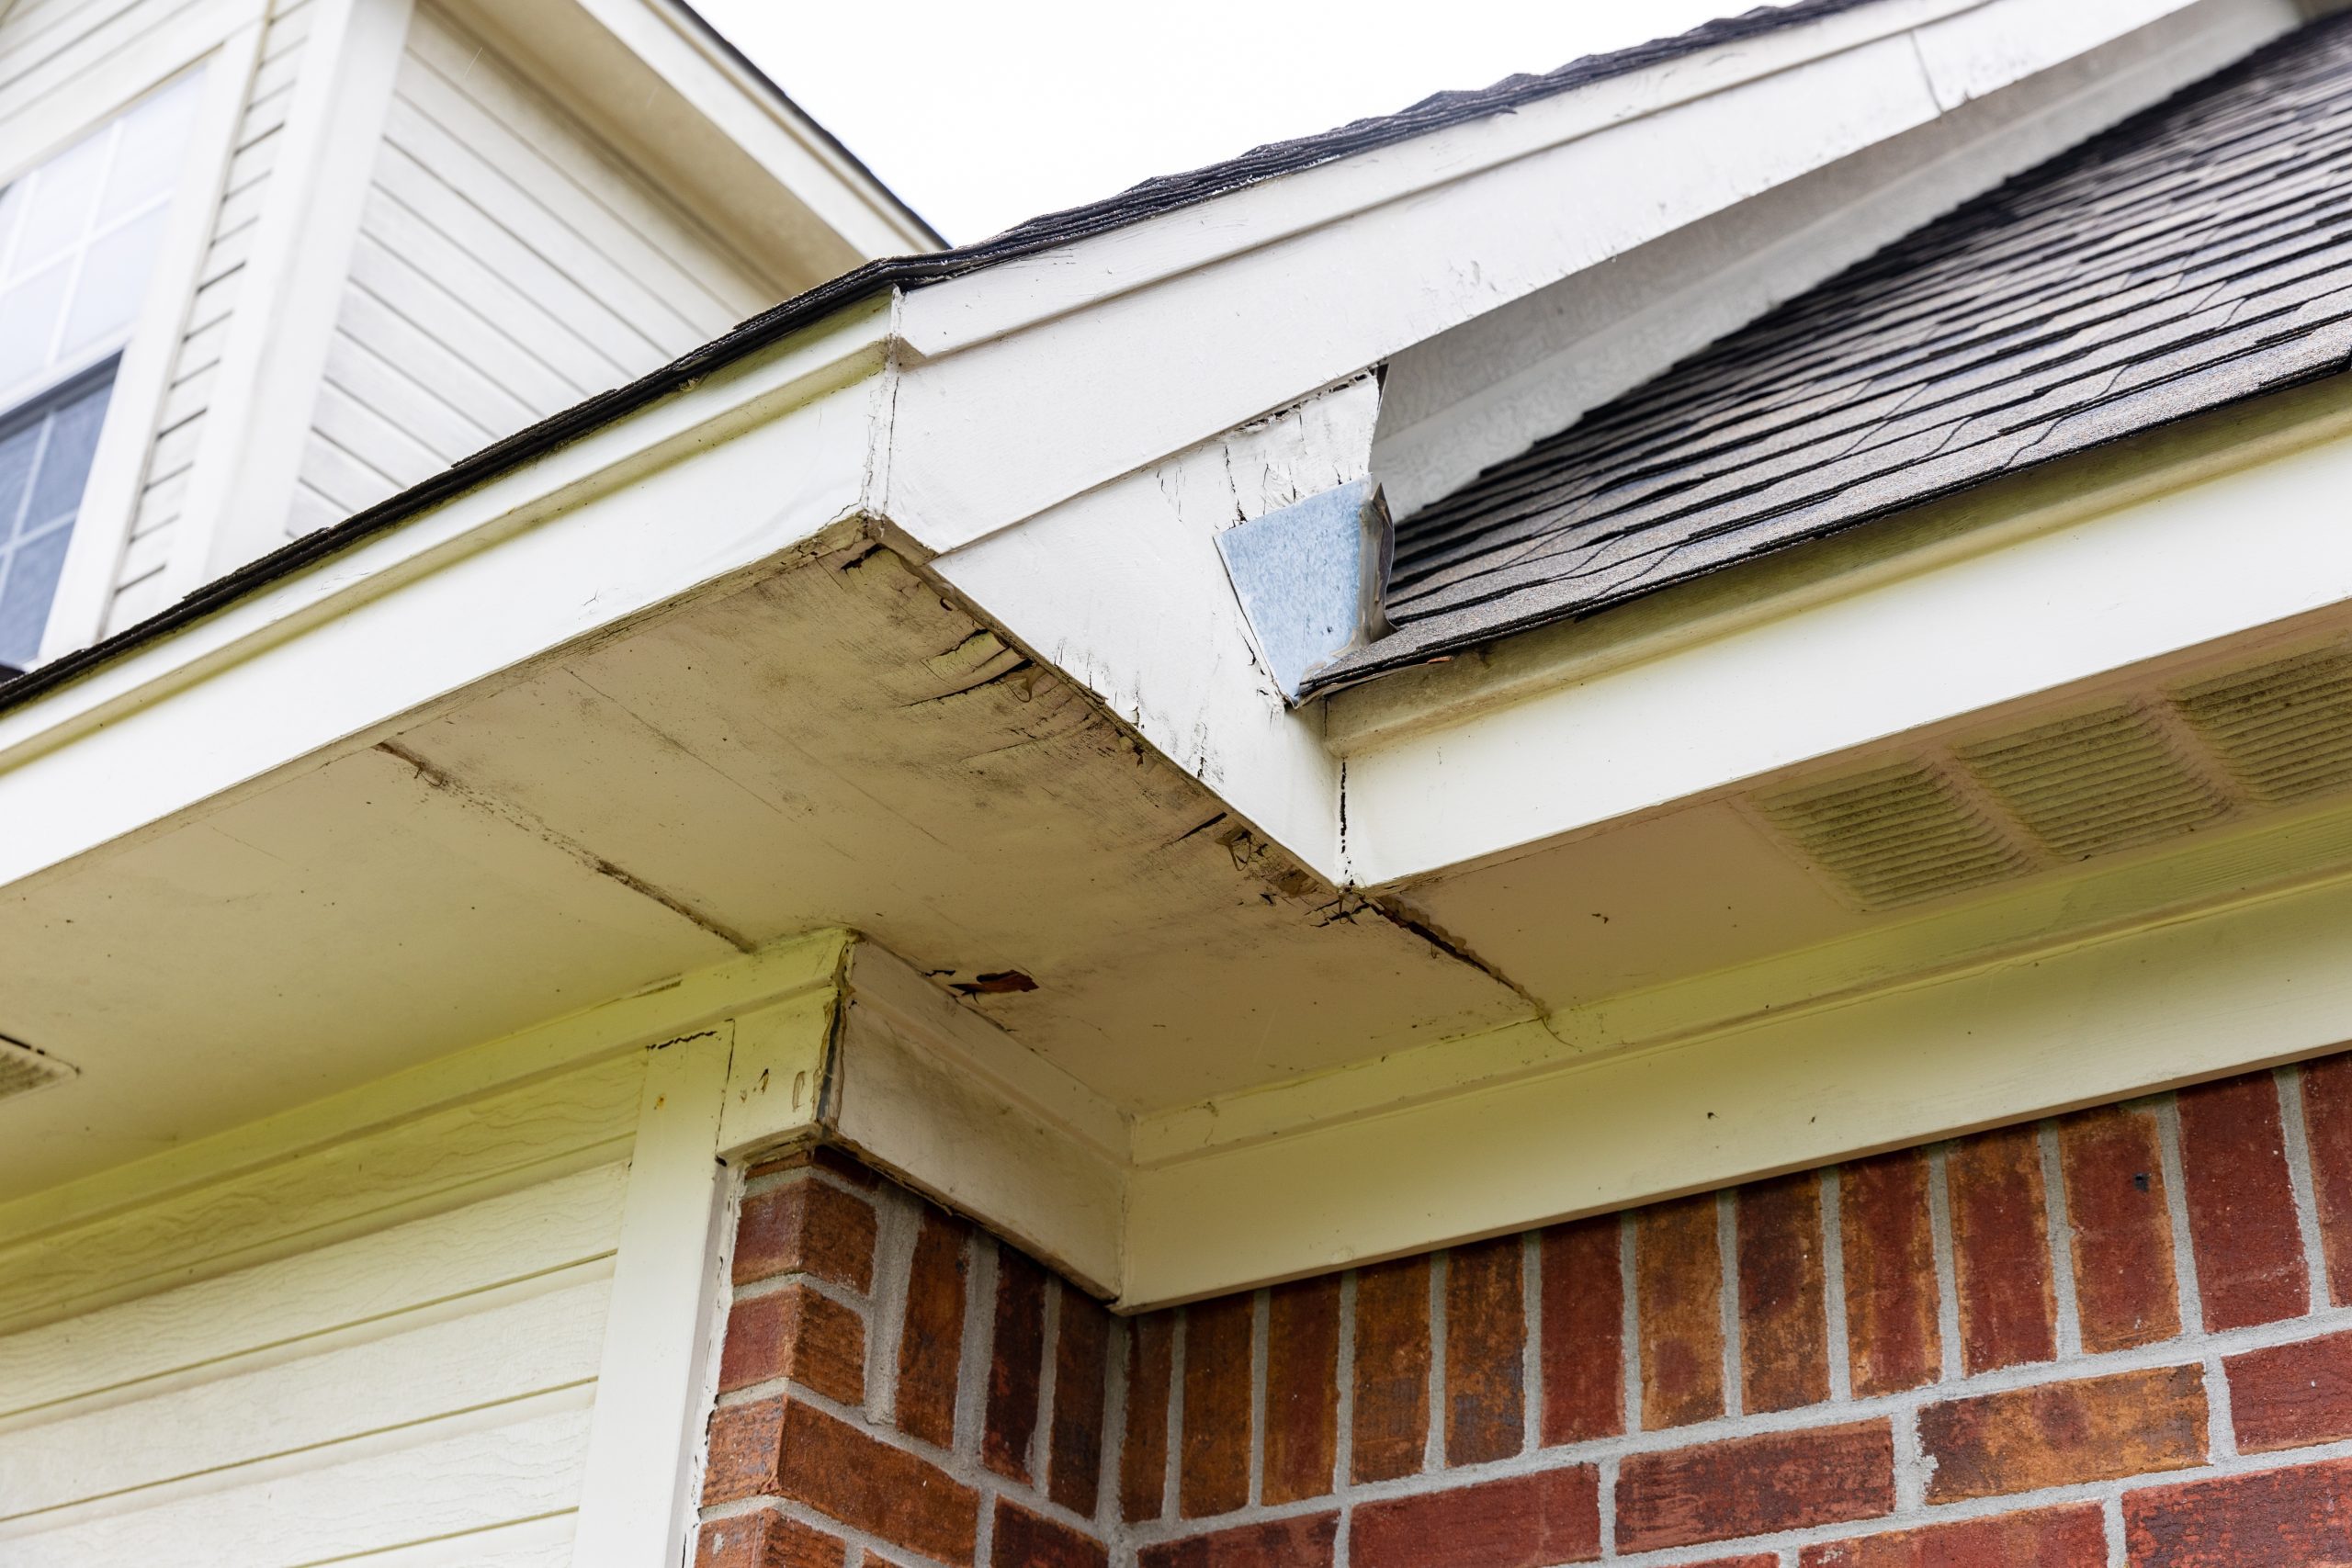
x,y
2123,772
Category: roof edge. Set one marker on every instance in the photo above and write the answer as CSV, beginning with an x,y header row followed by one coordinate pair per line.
x,y
1050,232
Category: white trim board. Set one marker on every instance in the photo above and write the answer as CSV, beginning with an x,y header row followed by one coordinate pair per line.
x,y
118,468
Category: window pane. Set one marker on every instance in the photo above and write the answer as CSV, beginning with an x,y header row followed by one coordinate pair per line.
x,y
29,320
147,159
25,593
80,235
114,275
17,450
65,196
65,463
56,444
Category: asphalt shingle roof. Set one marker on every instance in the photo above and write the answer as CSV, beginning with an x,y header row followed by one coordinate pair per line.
x,y
2196,255
1151,198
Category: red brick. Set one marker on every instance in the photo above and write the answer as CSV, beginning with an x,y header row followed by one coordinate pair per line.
x,y
2124,1287
2048,1538
1887,1234
1784,1322
2241,1203
1486,1349
1583,1331
1017,1365
930,1341
2065,1434
766,1539
1074,1447
806,1226
794,1333
1741,1486
783,1448
1302,1389
1392,1376
2000,1237
1298,1542
741,1460
1527,1522
837,1162
1023,1539
1143,1450
2292,1395
1678,1283
2327,1124
2295,1517
1214,1474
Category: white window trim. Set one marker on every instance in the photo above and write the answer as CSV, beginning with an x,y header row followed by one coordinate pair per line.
x,y
119,468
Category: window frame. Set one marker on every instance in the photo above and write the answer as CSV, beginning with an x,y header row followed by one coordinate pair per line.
x,y
53,394
144,354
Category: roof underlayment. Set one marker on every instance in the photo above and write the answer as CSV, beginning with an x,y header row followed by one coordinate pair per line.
x,y
2199,253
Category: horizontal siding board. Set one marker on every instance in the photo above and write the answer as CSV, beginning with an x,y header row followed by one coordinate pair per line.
x,y
277,76
160,503
311,512
422,188
520,318
532,1543
512,126
211,307
359,375
368,435
225,1225
41,35
471,1481
175,448
147,553
516,1236
414,1371
134,602
36,73
408,320
528,199
228,252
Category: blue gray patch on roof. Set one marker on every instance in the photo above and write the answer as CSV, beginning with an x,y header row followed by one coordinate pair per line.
x,y
2199,253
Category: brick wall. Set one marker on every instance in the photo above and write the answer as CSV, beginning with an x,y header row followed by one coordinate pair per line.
x,y
2117,1338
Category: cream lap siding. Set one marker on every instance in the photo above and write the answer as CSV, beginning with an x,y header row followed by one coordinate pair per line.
x,y
47,46
384,1349
508,264
140,582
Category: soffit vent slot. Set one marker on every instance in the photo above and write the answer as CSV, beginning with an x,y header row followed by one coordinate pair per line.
x,y
23,1069
2143,769
2094,782
2284,730
1899,834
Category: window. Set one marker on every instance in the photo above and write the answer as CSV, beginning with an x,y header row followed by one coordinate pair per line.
x,y
78,240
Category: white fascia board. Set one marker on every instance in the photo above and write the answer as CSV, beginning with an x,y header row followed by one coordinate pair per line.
x,y
1122,590
2109,581
618,523
2154,1007
749,112
1031,381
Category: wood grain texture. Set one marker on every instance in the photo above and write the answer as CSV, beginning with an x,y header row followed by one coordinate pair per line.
x,y
440,1161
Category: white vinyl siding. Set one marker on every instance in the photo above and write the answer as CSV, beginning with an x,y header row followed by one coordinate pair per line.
x,y
385,1349
47,46
140,582
509,263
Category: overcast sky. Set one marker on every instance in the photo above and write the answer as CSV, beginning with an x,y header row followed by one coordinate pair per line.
x,y
981,113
